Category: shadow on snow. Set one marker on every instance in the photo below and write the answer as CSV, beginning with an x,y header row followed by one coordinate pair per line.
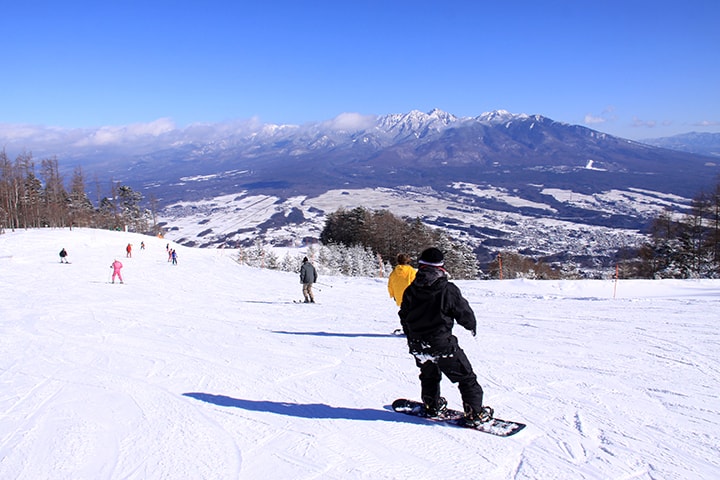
x,y
310,410
334,334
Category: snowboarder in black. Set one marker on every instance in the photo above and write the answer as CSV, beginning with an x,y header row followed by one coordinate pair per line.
x,y
308,276
63,256
430,306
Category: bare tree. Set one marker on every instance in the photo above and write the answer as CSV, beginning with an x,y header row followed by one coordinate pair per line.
x,y
30,192
9,193
55,198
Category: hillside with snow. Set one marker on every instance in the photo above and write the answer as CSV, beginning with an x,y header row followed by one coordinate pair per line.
x,y
242,219
498,181
208,370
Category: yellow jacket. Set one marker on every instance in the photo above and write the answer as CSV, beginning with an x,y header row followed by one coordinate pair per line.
x,y
400,278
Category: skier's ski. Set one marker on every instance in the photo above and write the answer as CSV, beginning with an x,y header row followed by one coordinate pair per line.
x,y
494,426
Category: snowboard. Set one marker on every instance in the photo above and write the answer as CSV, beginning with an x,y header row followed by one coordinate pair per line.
x,y
494,426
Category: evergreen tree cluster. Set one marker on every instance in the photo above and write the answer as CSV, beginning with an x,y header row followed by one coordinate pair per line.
x,y
354,261
386,235
683,245
364,243
29,201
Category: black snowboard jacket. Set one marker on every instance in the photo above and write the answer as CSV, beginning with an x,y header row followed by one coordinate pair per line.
x,y
430,306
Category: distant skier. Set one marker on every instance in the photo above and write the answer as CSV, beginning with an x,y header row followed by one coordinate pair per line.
x,y
173,255
116,266
308,276
142,245
63,256
429,308
402,275
128,250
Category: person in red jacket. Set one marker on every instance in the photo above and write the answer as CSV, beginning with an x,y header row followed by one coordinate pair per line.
x,y
430,307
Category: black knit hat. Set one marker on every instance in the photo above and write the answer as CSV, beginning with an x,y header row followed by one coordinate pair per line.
x,y
431,256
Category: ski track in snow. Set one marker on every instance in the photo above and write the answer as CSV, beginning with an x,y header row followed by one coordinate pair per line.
x,y
207,369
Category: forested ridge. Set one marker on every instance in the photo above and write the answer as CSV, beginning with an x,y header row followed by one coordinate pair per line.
x,y
33,198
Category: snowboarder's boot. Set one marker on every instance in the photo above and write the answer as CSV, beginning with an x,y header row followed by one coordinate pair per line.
x,y
475,417
435,408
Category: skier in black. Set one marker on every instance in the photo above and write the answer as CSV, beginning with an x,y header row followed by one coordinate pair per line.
x,y
430,306
63,256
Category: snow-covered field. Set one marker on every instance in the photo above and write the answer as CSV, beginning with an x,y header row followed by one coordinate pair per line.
x,y
208,370
246,216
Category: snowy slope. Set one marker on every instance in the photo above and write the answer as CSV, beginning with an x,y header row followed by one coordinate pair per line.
x,y
208,370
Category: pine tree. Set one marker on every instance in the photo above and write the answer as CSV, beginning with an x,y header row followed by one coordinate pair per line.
x,y
384,234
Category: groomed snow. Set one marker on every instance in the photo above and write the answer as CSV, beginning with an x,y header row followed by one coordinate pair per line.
x,y
208,370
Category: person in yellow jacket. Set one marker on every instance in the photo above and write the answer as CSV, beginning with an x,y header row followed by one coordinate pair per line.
x,y
402,275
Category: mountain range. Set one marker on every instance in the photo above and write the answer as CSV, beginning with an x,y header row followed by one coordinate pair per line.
x,y
703,143
498,181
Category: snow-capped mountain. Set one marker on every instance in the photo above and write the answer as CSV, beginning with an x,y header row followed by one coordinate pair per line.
x,y
703,143
500,180
421,149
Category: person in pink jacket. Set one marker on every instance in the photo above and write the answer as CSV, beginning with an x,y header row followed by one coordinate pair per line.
x,y
116,266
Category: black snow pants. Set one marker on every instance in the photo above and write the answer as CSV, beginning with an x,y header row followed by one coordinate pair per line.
x,y
457,369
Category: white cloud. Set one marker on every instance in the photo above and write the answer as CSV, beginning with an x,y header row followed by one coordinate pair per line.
x,y
607,115
114,135
11,132
637,122
706,123
351,122
592,120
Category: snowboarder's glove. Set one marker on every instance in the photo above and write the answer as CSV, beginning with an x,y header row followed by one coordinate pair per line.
x,y
474,332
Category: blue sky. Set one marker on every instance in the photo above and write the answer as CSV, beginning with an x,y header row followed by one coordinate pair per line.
x,y
637,69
